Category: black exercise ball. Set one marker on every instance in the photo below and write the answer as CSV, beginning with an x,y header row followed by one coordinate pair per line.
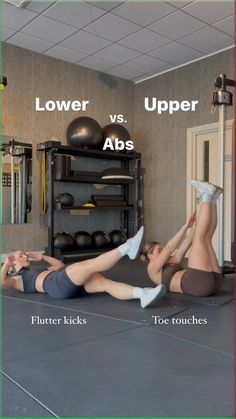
x,y
63,241
101,239
117,237
83,240
84,132
65,199
114,131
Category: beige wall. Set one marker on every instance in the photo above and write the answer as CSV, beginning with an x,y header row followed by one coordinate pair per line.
x,y
33,75
162,138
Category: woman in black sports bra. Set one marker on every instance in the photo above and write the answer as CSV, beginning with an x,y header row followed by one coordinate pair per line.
x,y
78,279
203,276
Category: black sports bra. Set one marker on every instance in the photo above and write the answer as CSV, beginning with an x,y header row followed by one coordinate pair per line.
x,y
29,278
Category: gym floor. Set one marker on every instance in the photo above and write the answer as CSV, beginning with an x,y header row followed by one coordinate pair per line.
x,y
120,363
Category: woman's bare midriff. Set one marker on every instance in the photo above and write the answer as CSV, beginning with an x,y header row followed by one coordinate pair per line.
x,y
176,281
40,280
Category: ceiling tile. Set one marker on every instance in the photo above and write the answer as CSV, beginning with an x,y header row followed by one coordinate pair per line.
x,y
16,17
124,72
107,5
78,14
29,42
173,52
186,60
112,27
145,64
48,29
219,47
96,63
153,73
6,33
226,25
206,38
38,6
65,54
117,54
179,4
210,11
85,42
144,40
145,12
176,25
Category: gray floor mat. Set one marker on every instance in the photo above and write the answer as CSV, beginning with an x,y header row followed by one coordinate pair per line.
x,y
216,330
17,403
105,305
22,339
137,372
223,297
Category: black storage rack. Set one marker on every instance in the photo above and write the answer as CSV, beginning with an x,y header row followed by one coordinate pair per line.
x,y
131,215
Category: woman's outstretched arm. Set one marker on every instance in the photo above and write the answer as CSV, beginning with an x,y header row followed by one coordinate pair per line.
x,y
55,264
182,250
156,264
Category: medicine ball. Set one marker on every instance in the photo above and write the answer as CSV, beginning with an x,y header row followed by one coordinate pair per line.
x,y
117,237
83,240
65,199
84,132
63,241
114,131
101,239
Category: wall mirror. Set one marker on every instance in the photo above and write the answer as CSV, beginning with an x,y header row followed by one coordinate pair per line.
x,y
16,161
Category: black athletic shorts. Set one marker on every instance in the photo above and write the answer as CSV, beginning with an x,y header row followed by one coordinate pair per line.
x,y
59,285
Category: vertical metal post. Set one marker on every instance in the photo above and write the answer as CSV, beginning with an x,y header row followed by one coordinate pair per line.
x,y
13,188
24,183
222,181
20,189
50,200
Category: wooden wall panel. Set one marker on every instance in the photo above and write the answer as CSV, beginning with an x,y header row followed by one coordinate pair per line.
x,y
32,75
162,138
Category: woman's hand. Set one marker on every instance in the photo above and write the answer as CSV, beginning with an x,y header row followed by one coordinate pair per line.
x,y
9,260
35,255
191,220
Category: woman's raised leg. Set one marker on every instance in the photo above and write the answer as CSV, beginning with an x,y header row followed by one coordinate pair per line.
x,y
202,254
121,291
211,251
80,272
199,257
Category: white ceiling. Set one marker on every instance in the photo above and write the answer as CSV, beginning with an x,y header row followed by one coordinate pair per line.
x,y
131,39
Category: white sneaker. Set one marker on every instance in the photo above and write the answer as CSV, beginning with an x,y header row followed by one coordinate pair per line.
x,y
135,244
203,187
151,295
218,192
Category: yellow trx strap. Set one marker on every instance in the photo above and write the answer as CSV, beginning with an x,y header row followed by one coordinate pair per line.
x,y
43,182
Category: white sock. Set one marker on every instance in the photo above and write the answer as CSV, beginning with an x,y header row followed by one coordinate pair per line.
x,y
148,296
206,197
123,248
138,292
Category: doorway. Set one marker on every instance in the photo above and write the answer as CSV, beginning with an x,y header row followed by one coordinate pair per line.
x,y
203,163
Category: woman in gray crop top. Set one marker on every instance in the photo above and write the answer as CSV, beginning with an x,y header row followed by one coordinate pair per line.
x,y
203,276
77,279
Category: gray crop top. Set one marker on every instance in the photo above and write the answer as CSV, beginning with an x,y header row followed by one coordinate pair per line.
x,y
29,277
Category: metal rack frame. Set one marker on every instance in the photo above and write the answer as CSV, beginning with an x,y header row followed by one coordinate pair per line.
x,y
131,218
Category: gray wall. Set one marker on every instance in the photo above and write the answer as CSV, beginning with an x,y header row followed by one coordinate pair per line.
x,y
32,75
162,138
